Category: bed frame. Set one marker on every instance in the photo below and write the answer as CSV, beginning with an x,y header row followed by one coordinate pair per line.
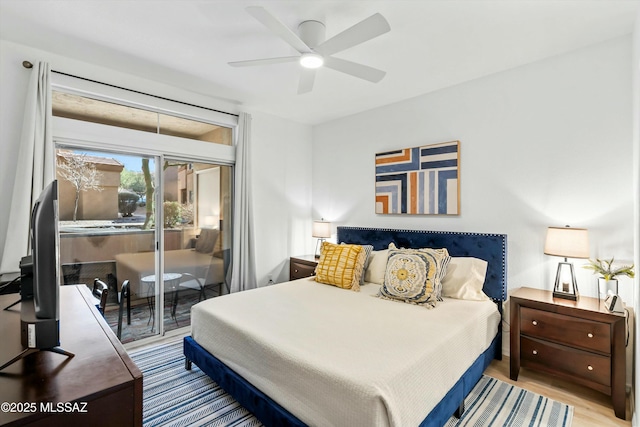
x,y
489,247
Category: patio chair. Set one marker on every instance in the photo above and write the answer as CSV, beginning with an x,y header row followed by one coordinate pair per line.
x,y
124,295
100,293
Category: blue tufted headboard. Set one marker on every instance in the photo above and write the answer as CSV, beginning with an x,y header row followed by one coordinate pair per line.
x,y
489,247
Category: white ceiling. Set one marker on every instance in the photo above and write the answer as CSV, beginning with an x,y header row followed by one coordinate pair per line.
x,y
432,43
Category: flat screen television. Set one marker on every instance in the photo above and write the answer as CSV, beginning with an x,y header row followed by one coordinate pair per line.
x,y
40,306
45,254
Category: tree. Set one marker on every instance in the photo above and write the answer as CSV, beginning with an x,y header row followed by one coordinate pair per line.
x,y
149,193
81,173
134,181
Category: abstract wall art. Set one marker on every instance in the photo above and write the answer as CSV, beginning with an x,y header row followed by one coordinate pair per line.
x,y
419,181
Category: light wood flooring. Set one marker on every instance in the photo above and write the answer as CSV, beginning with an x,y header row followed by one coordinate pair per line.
x,y
591,407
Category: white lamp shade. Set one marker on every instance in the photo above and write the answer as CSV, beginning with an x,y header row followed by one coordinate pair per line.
x,y
567,242
321,229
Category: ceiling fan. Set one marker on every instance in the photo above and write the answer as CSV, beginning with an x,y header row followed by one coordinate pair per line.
x,y
315,51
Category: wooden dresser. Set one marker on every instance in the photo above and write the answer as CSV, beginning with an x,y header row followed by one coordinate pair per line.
x,y
302,266
580,341
99,386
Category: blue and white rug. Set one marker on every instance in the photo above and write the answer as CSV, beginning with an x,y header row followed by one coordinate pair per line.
x,y
495,403
174,396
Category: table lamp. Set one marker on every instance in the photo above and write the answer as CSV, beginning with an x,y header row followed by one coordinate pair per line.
x,y
566,242
321,230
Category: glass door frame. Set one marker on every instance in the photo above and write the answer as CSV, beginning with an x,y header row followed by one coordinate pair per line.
x,y
81,135
190,232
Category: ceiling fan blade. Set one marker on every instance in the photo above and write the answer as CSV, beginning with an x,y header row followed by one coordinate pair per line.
x,y
277,27
354,69
267,61
307,77
367,29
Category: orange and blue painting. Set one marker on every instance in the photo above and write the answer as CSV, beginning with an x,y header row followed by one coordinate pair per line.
x,y
419,181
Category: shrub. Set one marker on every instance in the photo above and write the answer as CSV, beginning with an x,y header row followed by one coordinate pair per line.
x,y
127,202
172,211
187,213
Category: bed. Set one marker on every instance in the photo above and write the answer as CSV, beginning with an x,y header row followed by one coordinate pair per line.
x,y
312,354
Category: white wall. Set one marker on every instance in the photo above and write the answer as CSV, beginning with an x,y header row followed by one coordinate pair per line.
x,y
280,181
546,144
281,177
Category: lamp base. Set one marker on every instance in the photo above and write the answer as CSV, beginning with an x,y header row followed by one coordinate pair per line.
x,y
316,254
565,295
566,288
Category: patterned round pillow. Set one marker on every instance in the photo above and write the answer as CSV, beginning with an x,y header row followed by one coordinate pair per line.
x,y
409,278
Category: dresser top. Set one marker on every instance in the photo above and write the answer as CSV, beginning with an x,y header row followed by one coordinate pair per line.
x,y
544,296
100,365
310,258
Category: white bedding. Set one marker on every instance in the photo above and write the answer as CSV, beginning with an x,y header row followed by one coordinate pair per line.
x,y
334,357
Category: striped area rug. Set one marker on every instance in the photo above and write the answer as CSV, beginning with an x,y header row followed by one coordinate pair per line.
x,y
174,396
496,403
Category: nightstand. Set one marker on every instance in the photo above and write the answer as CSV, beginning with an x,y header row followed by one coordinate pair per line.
x,y
302,266
579,341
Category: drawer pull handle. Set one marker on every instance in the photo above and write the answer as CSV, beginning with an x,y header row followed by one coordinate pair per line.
x,y
590,368
535,351
535,323
590,335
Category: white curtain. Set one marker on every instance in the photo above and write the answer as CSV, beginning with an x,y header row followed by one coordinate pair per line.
x,y
35,168
243,271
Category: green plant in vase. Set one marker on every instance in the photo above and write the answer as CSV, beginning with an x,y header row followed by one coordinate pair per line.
x,y
608,282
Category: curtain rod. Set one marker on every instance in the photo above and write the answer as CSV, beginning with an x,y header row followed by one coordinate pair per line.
x,y
27,64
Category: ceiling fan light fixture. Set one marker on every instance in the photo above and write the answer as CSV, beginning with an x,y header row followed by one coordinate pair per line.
x,y
311,60
313,50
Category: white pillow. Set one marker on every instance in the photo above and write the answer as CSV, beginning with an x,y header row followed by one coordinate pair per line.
x,y
465,278
377,267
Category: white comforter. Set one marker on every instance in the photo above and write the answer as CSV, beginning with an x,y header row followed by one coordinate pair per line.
x,y
334,357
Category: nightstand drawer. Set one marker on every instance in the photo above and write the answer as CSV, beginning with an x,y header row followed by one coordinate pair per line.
x,y
301,268
551,357
579,341
573,331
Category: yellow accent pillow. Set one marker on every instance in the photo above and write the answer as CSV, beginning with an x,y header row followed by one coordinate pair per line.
x,y
341,265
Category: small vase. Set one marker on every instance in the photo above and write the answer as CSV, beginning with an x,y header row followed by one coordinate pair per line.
x,y
605,286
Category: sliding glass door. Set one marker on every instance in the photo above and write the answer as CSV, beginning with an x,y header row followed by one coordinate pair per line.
x,y
145,202
196,229
108,232
111,205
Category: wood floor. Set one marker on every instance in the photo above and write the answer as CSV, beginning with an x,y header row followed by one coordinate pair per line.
x,y
591,407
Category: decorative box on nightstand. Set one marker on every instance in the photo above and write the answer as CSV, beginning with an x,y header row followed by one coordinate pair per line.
x,y
580,341
302,266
